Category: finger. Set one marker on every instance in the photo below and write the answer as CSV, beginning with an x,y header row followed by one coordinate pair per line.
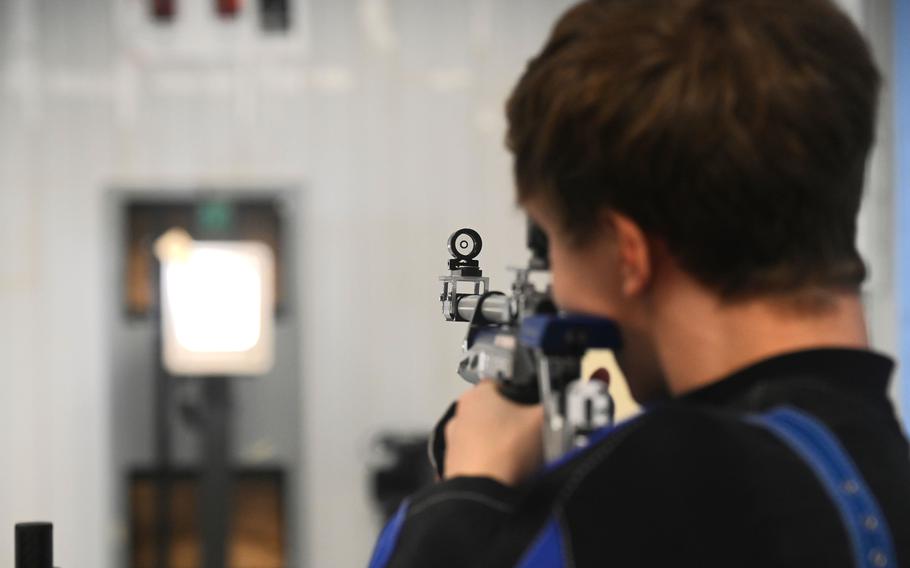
x,y
479,390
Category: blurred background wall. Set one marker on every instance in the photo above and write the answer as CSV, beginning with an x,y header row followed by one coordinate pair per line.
x,y
383,116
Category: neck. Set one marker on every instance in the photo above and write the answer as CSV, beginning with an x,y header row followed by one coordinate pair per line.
x,y
708,340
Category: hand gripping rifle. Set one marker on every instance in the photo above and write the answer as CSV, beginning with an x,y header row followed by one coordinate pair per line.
x,y
526,345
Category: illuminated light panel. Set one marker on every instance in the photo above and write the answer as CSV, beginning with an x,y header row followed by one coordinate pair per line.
x,y
218,306
215,300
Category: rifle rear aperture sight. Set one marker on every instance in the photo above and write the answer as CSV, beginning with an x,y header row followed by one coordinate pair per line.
x,y
464,246
465,278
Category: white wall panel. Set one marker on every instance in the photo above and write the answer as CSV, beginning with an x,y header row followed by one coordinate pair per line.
x,y
392,124
390,118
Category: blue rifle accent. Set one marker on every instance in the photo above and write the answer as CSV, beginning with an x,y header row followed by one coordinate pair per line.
x,y
866,526
568,334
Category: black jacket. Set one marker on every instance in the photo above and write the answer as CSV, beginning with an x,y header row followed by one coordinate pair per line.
x,y
691,482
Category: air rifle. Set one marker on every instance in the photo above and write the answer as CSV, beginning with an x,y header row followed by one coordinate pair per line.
x,y
523,342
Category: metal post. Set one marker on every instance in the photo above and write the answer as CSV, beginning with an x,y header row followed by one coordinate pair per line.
x,y
34,545
215,488
162,439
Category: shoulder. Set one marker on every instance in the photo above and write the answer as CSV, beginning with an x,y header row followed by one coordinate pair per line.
x,y
666,432
672,449
676,474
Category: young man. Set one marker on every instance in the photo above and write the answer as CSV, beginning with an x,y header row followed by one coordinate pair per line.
x,y
697,166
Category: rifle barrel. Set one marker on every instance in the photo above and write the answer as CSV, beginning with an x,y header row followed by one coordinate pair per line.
x,y
495,309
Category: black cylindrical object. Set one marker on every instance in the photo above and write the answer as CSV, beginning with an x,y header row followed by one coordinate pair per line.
x,y
34,545
539,245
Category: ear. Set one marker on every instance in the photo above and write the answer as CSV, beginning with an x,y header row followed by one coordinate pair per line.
x,y
633,254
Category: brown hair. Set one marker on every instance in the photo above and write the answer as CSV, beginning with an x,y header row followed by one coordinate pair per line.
x,y
735,130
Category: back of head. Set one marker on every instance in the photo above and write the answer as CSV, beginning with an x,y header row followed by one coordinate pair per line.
x,y
735,130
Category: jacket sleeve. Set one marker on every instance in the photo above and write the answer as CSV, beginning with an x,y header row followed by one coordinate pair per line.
x,y
445,525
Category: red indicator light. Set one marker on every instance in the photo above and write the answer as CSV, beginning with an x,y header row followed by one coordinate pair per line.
x,y
164,10
229,8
